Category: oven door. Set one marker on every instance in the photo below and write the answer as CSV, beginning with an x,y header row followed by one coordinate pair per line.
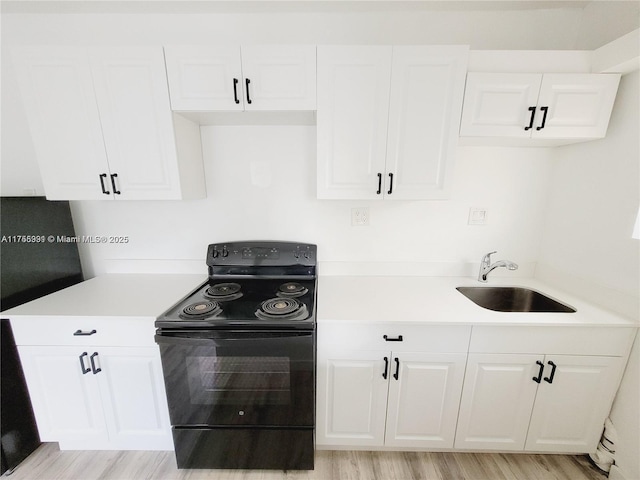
x,y
239,378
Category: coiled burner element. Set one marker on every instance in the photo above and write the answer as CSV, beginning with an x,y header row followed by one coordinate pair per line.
x,y
201,310
282,309
291,290
223,292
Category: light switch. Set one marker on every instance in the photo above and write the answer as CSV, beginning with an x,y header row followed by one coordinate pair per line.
x,y
477,216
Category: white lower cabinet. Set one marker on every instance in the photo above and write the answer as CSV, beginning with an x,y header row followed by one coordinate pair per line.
x,y
352,398
423,400
568,413
64,399
497,400
97,397
389,397
414,394
539,402
504,388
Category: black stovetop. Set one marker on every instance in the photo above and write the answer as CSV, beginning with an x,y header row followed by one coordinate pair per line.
x,y
249,303
251,284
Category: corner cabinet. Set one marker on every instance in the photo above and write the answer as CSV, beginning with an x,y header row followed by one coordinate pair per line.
x,y
88,394
389,385
539,389
102,125
537,106
251,78
387,120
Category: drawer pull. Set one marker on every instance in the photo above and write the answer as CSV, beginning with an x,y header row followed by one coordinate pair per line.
x,y
390,339
539,377
397,374
386,368
549,379
84,369
80,333
93,364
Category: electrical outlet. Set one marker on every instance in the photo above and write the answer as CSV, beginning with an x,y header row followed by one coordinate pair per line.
x,y
360,217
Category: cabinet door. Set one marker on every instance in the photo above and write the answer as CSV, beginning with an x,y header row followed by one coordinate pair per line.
x,y
133,99
569,412
352,398
353,111
133,396
579,106
498,104
497,400
57,91
427,86
423,400
204,78
279,77
66,400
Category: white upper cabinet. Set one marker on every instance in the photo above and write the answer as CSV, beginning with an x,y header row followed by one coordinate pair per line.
x,y
279,77
578,106
203,78
60,103
427,85
387,120
353,113
102,125
536,106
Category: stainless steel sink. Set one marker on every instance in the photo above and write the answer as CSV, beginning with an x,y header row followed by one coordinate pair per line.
x,y
513,299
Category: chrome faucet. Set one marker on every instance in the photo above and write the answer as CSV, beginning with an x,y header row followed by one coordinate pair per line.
x,y
487,267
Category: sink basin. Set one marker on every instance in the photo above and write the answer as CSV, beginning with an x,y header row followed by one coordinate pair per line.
x,y
513,299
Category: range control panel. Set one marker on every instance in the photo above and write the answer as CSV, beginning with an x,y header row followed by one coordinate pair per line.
x,y
266,253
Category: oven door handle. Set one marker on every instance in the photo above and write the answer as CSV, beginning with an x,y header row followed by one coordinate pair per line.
x,y
222,338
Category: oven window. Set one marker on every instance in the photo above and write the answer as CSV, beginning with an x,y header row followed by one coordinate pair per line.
x,y
239,380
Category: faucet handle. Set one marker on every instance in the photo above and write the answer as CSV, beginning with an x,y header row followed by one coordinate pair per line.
x,y
487,257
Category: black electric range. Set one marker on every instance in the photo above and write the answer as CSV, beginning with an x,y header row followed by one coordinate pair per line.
x,y
251,285
238,359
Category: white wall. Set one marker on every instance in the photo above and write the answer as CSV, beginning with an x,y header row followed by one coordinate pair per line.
x,y
261,185
587,246
593,203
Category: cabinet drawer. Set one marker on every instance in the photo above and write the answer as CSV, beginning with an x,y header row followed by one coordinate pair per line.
x,y
415,338
78,331
552,340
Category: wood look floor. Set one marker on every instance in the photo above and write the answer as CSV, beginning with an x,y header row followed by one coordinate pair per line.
x,y
49,463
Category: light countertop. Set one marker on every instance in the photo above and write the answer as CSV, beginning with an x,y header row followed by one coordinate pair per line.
x,y
367,298
114,295
435,300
